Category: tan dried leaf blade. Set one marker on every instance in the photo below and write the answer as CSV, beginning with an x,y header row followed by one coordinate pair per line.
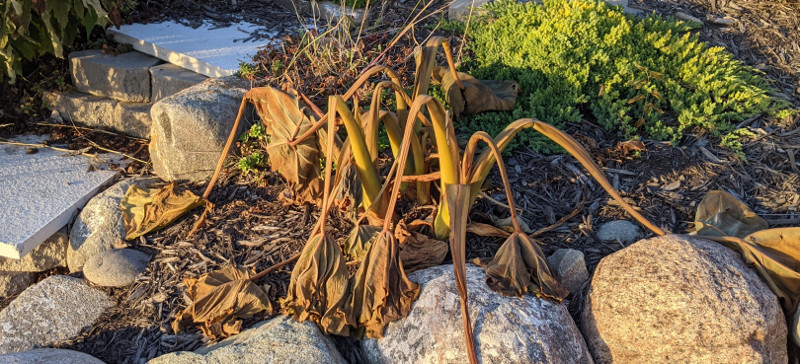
x,y
285,121
720,213
220,300
150,209
477,95
382,292
359,241
519,267
318,289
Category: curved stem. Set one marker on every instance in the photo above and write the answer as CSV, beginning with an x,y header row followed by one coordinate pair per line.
x,y
469,152
225,150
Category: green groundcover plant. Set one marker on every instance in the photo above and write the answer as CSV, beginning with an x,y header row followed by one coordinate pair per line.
x,y
580,59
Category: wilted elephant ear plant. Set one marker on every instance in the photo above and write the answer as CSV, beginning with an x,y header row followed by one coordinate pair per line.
x,y
380,292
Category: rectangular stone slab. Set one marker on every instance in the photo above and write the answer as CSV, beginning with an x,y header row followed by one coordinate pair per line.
x,y
210,51
39,193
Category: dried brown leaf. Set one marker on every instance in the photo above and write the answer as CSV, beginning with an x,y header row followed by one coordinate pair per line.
x,y
318,289
359,241
150,209
220,300
720,213
285,121
519,267
477,95
381,292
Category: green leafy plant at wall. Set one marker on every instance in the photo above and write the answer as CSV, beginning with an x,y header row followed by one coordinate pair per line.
x,y
33,28
586,59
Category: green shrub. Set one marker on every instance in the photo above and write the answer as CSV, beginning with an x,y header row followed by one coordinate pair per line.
x,y
580,59
33,28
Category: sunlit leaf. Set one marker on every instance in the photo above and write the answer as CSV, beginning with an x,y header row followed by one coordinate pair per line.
x,y
720,213
298,164
318,289
220,300
477,95
382,292
150,209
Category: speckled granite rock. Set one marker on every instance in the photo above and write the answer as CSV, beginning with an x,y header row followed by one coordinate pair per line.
x,y
507,329
49,356
279,340
678,299
99,227
55,309
190,128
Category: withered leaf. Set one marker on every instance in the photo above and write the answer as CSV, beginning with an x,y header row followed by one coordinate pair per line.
x,y
477,95
349,193
720,213
775,255
318,289
359,241
418,251
220,300
150,209
519,267
285,121
382,292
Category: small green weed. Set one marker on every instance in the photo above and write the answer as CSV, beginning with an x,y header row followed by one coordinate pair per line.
x,y
252,144
247,70
579,59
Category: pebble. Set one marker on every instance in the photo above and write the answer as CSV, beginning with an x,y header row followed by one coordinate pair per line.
x,y
622,230
569,268
115,268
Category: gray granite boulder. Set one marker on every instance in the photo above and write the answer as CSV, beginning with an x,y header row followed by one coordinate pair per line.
x,y
48,255
53,310
507,329
49,356
115,268
99,227
679,299
190,128
279,340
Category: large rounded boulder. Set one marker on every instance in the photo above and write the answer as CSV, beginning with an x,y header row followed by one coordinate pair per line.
x,y
507,330
680,299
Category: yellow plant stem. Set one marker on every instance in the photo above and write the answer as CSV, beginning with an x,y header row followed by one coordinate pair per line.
x,y
366,170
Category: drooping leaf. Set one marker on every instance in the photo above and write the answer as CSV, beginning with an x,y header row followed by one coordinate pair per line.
x,y
220,300
151,209
419,251
775,255
285,121
720,213
359,241
382,292
520,267
318,289
477,95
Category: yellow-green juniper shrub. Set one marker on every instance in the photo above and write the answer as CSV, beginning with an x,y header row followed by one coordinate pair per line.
x,y
579,59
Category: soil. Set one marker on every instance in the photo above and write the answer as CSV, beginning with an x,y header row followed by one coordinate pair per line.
x,y
251,227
